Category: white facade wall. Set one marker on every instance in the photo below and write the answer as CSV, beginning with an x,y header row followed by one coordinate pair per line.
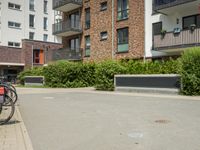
x,y
169,22
22,16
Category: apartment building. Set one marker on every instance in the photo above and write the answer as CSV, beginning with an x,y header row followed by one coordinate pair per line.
x,y
95,30
25,19
171,26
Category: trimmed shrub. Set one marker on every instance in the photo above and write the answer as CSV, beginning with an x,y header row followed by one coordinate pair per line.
x,y
69,74
105,72
37,71
190,72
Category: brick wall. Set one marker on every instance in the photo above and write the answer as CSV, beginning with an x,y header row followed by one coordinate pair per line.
x,y
102,21
10,55
48,47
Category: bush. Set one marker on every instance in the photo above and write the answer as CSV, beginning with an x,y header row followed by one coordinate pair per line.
x,y
190,72
37,71
69,74
105,72
151,67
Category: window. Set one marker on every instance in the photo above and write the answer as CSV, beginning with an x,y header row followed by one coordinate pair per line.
x,y
103,6
122,9
87,46
191,20
14,6
45,6
122,40
31,21
87,18
32,5
31,35
45,25
74,44
104,35
13,44
45,37
38,56
157,27
14,24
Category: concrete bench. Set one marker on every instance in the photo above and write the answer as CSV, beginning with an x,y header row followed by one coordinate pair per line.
x,y
34,80
155,83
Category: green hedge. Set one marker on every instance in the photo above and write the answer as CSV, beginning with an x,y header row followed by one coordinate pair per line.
x,y
190,72
69,74
105,72
37,71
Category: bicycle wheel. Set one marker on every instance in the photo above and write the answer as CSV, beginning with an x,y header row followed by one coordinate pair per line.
x,y
12,94
12,87
6,111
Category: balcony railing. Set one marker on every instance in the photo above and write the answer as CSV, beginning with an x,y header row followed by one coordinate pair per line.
x,y
171,40
68,54
67,28
66,5
161,4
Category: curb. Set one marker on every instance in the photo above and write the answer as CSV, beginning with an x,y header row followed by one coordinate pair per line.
x,y
26,138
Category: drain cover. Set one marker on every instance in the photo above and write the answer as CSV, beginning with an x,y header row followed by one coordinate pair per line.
x,y
162,121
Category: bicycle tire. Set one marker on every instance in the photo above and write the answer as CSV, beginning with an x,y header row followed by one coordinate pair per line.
x,y
7,111
12,94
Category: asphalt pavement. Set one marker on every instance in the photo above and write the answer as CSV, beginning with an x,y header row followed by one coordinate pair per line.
x,y
84,119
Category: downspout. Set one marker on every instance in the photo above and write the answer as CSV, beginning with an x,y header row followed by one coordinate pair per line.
x,y
144,57
113,29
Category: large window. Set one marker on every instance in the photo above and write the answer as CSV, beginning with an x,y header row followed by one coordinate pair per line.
x,y
31,21
87,46
87,18
38,56
45,6
32,5
122,9
122,40
45,25
191,20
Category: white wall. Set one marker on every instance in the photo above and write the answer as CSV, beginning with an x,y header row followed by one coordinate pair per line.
x,y
22,16
169,22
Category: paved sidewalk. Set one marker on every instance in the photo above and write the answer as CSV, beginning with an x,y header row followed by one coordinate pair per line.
x,y
14,136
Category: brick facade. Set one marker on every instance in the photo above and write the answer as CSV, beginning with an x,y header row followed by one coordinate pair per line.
x,y
48,47
10,55
102,21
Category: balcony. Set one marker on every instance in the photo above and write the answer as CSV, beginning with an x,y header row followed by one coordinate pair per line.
x,y
170,6
67,28
174,42
68,54
66,5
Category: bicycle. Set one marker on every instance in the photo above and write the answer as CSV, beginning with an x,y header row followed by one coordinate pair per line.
x,y
7,107
10,92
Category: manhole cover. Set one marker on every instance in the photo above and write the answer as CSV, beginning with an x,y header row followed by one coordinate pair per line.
x,y
162,121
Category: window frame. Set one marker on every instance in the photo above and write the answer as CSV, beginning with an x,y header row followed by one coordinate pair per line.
x,y
87,48
45,23
87,18
102,35
195,20
103,8
126,42
32,5
45,6
30,26
15,25
14,6
122,10
33,34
